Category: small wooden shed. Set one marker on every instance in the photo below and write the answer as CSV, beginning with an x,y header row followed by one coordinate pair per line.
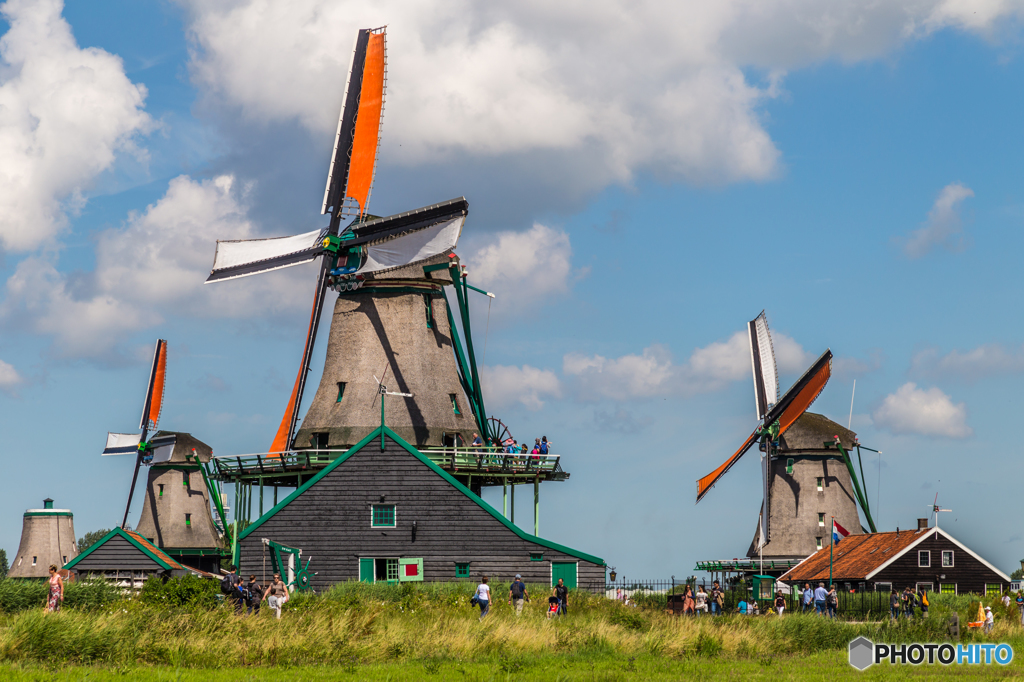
x,y
125,558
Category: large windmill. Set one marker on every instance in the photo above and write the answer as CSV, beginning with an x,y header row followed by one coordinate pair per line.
x,y
176,512
389,274
799,489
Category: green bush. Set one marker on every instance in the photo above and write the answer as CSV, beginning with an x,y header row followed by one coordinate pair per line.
x,y
188,591
23,594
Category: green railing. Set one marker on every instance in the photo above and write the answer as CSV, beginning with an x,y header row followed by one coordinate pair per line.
x,y
472,459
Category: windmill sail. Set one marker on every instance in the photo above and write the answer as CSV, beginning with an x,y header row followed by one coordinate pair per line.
x,y
793,404
350,174
155,392
122,443
764,534
762,358
243,257
413,248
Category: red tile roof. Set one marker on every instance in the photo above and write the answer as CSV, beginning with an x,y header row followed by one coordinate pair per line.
x,y
152,548
854,557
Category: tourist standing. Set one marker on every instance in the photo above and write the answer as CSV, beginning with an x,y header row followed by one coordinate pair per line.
x,y
545,446
233,583
989,619
832,602
1020,605
700,601
276,595
808,597
517,593
894,604
688,601
820,597
483,597
780,603
562,592
908,603
254,596
717,599
55,596
924,601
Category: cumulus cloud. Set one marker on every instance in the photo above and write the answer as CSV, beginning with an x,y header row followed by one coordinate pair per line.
x,y
657,87
944,227
523,267
984,361
65,113
9,377
505,386
913,410
654,372
152,266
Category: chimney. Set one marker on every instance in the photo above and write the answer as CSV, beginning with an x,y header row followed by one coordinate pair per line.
x,y
47,503
922,524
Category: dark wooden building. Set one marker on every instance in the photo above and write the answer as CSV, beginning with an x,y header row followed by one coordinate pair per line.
x,y
928,558
125,558
383,511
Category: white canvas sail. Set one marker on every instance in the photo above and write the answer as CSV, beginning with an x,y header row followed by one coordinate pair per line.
x,y
243,257
413,247
122,443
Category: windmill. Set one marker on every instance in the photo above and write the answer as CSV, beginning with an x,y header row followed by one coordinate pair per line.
x,y
390,275
176,512
810,442
936,510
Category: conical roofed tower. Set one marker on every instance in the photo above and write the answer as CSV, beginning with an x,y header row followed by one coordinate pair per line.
x,y
809,484
47,538
398,322
176,515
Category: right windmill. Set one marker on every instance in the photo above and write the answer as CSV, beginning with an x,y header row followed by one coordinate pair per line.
x,y
807,474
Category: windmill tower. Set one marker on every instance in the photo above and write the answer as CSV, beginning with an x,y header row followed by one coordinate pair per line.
x,y
47,537
176,513
391,310
807,474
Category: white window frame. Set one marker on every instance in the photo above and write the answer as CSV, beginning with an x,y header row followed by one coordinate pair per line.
x,y
929,587
955,591
818,540
924,553
821,519
952,562
821,484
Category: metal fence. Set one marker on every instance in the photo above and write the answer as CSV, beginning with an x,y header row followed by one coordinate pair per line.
x,y
654,594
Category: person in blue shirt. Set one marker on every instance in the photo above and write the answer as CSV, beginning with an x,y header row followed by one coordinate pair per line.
x,y
545,446
820,597
808,598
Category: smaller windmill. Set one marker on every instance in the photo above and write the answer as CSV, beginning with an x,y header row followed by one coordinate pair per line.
x,y
146,451
936,510
382,391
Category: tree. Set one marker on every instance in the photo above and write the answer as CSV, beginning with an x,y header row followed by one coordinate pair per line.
x,y
3,564
90,539
1018,574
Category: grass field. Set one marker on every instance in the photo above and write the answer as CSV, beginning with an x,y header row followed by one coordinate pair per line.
x,y
382,632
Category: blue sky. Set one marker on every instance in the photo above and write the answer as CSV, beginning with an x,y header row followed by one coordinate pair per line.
x,y
853,170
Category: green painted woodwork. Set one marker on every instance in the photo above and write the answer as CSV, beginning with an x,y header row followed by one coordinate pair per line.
x,y
764,587
161,561
789,466
49,513
377,433
455,403
341,391
566,570
462,569
365,570
428,304
536,556
410,570
861,497
382,516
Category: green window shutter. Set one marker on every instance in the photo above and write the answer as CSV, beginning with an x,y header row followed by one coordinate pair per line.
x,y
410,570
455,403
341,391
789,465
365,570
430,310
566,570
536,556
462,570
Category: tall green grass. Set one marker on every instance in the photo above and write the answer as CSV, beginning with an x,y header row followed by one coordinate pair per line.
x,y
357,624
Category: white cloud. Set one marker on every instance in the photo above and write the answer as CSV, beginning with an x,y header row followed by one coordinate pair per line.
x,y
984,361
65,113
931,412
505,386
9,377
944,227
618,86
523,267
152,266
653,372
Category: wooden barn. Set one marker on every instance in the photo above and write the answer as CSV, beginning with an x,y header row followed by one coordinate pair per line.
x,y
383,511
928,558
127,559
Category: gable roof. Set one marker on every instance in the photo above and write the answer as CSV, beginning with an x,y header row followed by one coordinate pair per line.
x,y
377,434
862,557
140,543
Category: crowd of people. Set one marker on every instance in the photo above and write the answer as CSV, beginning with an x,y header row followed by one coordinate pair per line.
x,y
247,597
518,596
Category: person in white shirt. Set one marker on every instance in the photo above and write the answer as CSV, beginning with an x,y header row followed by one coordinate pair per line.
x,y
989,619
483,597
700,600
1006,600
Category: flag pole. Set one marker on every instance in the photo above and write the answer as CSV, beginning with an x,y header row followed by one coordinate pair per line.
x,y
831,544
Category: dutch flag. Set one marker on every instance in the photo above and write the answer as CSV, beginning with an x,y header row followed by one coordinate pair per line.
x,y
838,532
